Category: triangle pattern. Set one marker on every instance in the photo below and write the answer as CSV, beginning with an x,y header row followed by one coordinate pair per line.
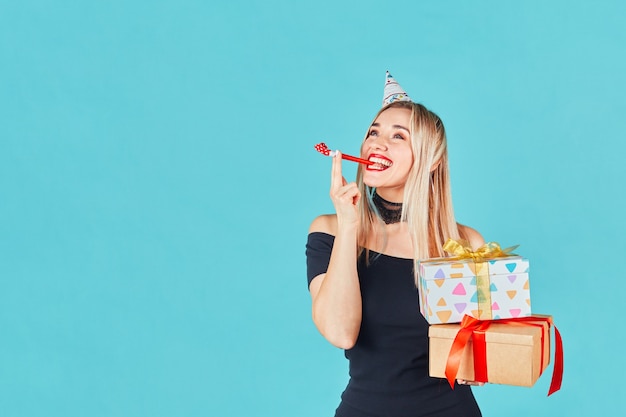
x,y
444,315
460,307
459,290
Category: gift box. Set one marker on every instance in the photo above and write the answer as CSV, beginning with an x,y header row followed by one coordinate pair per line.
x,y
487,289
500,352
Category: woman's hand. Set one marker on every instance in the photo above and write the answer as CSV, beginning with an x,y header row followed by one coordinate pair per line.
x,y
466,382
345,196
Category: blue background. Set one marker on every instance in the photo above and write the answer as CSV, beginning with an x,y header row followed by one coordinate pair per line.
x,y
158,177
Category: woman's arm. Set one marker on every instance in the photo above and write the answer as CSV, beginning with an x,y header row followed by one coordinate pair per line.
x,y
336,294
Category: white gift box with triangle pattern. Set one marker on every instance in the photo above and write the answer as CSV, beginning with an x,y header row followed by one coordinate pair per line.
x,y
447,289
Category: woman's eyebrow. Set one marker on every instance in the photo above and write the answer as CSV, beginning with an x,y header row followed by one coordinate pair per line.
x,y
394,126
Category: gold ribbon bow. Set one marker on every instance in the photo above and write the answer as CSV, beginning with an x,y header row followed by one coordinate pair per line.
x,y
461,250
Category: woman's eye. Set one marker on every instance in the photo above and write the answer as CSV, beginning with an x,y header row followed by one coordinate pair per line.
x,y
398,136
373,133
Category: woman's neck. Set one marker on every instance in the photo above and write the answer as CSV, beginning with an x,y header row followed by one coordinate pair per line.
x,y
388,211
391,195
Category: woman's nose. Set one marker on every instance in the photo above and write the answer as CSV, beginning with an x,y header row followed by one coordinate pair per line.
x,y
378,143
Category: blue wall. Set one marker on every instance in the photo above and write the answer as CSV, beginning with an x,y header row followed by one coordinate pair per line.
x,y
157,180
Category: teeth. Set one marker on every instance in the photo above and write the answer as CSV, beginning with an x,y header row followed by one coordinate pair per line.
x,y
380,162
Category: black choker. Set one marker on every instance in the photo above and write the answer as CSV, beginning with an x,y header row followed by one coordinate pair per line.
x,y
389,212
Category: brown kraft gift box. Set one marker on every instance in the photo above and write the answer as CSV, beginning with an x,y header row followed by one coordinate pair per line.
x,y
514,352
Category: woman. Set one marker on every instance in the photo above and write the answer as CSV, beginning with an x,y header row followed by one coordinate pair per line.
x,y
361,264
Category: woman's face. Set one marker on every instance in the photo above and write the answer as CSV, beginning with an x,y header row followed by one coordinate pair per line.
x,y
388,144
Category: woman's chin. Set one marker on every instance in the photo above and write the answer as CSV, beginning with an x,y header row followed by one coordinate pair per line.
x,y
373,179
371,182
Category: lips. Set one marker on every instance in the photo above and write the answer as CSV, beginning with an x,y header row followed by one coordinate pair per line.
x,y
380,163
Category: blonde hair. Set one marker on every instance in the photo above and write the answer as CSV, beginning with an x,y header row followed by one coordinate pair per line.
x,y
427,201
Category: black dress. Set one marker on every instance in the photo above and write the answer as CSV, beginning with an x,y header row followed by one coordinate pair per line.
x,y
389,362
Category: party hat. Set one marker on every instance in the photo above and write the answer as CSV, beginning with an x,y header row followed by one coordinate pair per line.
x,y
393,91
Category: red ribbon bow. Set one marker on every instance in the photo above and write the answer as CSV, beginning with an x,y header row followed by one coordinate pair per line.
x,y
475,329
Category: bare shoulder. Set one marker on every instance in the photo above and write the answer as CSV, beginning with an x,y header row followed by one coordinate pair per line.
x,y
326,223
474,238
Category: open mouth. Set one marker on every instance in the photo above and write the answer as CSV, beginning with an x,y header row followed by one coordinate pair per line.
x,y
380,163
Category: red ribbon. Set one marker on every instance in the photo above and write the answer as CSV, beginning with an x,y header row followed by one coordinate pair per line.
x,y
472,328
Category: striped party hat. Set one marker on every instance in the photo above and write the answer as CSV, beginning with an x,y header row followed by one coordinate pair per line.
x,y
393,91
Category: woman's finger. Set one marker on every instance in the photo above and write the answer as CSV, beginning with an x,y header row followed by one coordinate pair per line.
x,y
336,178
346,191
473,383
